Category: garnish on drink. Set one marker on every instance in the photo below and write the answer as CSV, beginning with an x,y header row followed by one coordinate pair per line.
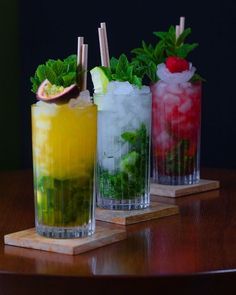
x,y
124,120
176,105
64,146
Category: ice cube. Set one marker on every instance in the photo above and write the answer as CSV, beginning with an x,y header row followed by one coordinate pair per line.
x,y
72,103
171,99
109,146
141,91
83,100
122,123
108,164
164,140
50,109
186,106
36,151
45,108
85,95
43,124
41,138
191,90
124,148
111,86
124,88
122,107
40,103
185,85
135,123
174,88
106,102
160,88
163,137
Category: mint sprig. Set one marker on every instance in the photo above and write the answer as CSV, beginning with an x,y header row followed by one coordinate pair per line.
x,y
173,46
197,78
129,181
122,70
58,72
147,57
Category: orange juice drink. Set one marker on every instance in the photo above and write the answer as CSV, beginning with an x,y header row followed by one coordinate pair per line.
x,y
64,149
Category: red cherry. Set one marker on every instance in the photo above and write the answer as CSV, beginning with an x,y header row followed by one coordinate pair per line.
x,y
176,64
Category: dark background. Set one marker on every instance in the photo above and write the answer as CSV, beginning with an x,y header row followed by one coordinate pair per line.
x,y
34,31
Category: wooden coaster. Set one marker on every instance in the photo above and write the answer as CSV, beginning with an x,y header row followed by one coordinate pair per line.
x,y
30,239
124,217
183,190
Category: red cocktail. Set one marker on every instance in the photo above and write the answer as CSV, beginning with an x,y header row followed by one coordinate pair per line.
x,y
176,123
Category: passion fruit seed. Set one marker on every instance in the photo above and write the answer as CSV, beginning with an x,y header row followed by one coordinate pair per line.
x,y
56,94
52,89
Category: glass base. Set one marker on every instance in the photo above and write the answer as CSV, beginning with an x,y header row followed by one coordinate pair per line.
x,y
131,204
178,180
65,232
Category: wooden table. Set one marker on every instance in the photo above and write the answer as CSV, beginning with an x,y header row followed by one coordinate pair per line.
x,y
194,251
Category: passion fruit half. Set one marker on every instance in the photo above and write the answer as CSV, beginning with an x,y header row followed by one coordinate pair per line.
x,y
50,93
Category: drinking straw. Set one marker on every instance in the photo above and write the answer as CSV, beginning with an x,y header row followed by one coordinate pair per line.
x,y
181,24
177,31
102,47
79,50
103,26
84,64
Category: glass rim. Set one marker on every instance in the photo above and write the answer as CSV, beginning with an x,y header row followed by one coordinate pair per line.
x,y
34,105
113,94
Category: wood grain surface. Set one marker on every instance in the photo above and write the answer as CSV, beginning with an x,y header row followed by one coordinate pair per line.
x,y
30,239
154,211
175,191
195,246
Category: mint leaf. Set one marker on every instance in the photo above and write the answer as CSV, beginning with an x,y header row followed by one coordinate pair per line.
x,y
161,35
197,78
107,72
58,67
113,63
41,73
185,49
69,79
70,59
50,75
61,73
136,81
183,36
158,51
151,71
128,162
122,70
129,136
73,193
35,82
122,64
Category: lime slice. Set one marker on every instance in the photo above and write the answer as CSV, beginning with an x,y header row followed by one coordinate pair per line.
x,y
100,80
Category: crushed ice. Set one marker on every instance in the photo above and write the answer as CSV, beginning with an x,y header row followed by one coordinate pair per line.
x,y
122,96
82,100
125,88
165,75
46,108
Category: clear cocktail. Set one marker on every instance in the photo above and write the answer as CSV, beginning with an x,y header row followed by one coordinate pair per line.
x,y
124,125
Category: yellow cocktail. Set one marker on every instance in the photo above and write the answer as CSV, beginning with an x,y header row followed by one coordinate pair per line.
x,y
64,149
